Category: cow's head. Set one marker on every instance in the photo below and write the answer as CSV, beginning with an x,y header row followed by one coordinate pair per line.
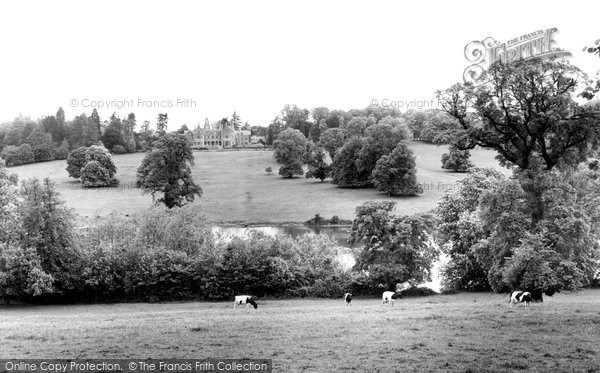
x,y
252,302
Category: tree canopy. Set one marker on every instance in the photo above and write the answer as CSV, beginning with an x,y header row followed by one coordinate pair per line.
x,y
166,169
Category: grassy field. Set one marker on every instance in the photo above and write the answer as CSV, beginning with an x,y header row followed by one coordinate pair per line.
x,y
476,331
236,187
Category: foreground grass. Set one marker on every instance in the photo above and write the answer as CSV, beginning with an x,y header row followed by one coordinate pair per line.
x,y
236,187
476,332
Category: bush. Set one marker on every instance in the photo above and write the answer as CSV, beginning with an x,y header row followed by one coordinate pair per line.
x,y
291,169
119,149
99,169
94,175
457,160
21,274
418,291
76,161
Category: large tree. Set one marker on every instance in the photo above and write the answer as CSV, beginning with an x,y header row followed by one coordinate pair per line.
x,y
317,165
525,111
290,146
398,246
46,225
396,173
333,139
166,169
296,118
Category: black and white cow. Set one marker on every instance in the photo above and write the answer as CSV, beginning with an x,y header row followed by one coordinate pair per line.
x,y
347,298
520,297
244,299
389,297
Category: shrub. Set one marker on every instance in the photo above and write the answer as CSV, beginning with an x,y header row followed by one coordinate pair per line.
x,y
76,161
119,149
21,274
291,169
418,291
94,175
99,169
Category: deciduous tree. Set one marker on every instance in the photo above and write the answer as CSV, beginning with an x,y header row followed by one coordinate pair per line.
x,y
166,169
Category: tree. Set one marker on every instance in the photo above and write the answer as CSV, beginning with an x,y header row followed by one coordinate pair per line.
x,y
333,139
47,226
96,123
82,131
291,169
526,112
592,88
274,129
317,166
62,152
51,126
161,124
319,114
380,139
75,161
99,169
396,174
236,121
127,133
113,134
296,118
21,273
457,160
8,204
357,126
13,135
41,144
344,169
289,146
166,169
400,245
460,228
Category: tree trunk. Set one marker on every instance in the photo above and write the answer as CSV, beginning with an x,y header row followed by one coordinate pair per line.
x,y
532,184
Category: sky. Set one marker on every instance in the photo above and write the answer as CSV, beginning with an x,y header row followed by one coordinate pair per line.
x,y
196,60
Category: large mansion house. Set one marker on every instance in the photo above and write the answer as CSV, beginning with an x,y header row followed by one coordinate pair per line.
x,y
218,137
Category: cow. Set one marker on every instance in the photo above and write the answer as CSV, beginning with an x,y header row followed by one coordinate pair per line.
x,y
244,299
520,297
389,297
348,298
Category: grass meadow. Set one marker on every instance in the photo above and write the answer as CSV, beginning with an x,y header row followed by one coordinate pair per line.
x,y
475,332
236,188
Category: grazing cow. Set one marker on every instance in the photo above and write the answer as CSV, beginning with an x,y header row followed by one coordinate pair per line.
x,y
520,297
244,299
389,297
348,298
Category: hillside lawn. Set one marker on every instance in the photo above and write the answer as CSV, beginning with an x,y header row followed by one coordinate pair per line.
x,y
476,331
236,188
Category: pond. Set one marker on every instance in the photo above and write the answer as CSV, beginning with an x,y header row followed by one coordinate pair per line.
x,y
338,233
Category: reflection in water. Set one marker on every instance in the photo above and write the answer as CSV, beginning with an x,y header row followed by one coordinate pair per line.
x,y
339,234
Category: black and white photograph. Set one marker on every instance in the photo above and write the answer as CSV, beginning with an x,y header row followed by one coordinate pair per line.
x,y
299,186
